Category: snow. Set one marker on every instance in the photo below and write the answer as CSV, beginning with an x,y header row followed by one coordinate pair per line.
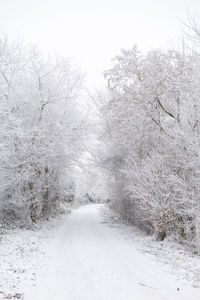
x,y
91,254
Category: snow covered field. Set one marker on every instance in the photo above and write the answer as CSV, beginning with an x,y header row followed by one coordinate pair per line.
x,y
91,254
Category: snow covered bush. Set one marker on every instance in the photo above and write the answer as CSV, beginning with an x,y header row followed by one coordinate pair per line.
x,y
39,134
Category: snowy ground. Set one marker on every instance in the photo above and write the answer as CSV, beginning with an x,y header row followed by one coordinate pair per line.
x,y
91,254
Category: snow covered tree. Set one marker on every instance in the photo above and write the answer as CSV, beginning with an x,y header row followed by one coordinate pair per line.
x,y
151,133
39,133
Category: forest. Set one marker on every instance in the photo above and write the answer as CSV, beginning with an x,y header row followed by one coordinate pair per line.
x,y
140,137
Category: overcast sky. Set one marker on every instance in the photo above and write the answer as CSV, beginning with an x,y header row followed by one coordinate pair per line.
x,y
93,31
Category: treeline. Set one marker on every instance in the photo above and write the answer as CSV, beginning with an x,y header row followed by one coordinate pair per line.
x,y
151,141
39,133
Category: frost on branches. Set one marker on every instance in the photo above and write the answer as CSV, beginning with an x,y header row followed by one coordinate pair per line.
x,y
38,136
152,137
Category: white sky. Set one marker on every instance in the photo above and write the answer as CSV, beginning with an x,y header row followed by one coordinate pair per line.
x,y
93,31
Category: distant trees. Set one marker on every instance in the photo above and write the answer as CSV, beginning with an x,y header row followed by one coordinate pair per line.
x,y
152,133
40,138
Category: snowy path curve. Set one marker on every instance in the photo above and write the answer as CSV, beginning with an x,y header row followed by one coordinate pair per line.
x,y
89,259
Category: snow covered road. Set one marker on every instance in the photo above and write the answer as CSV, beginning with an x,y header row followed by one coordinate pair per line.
x,y
89,259
86,257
